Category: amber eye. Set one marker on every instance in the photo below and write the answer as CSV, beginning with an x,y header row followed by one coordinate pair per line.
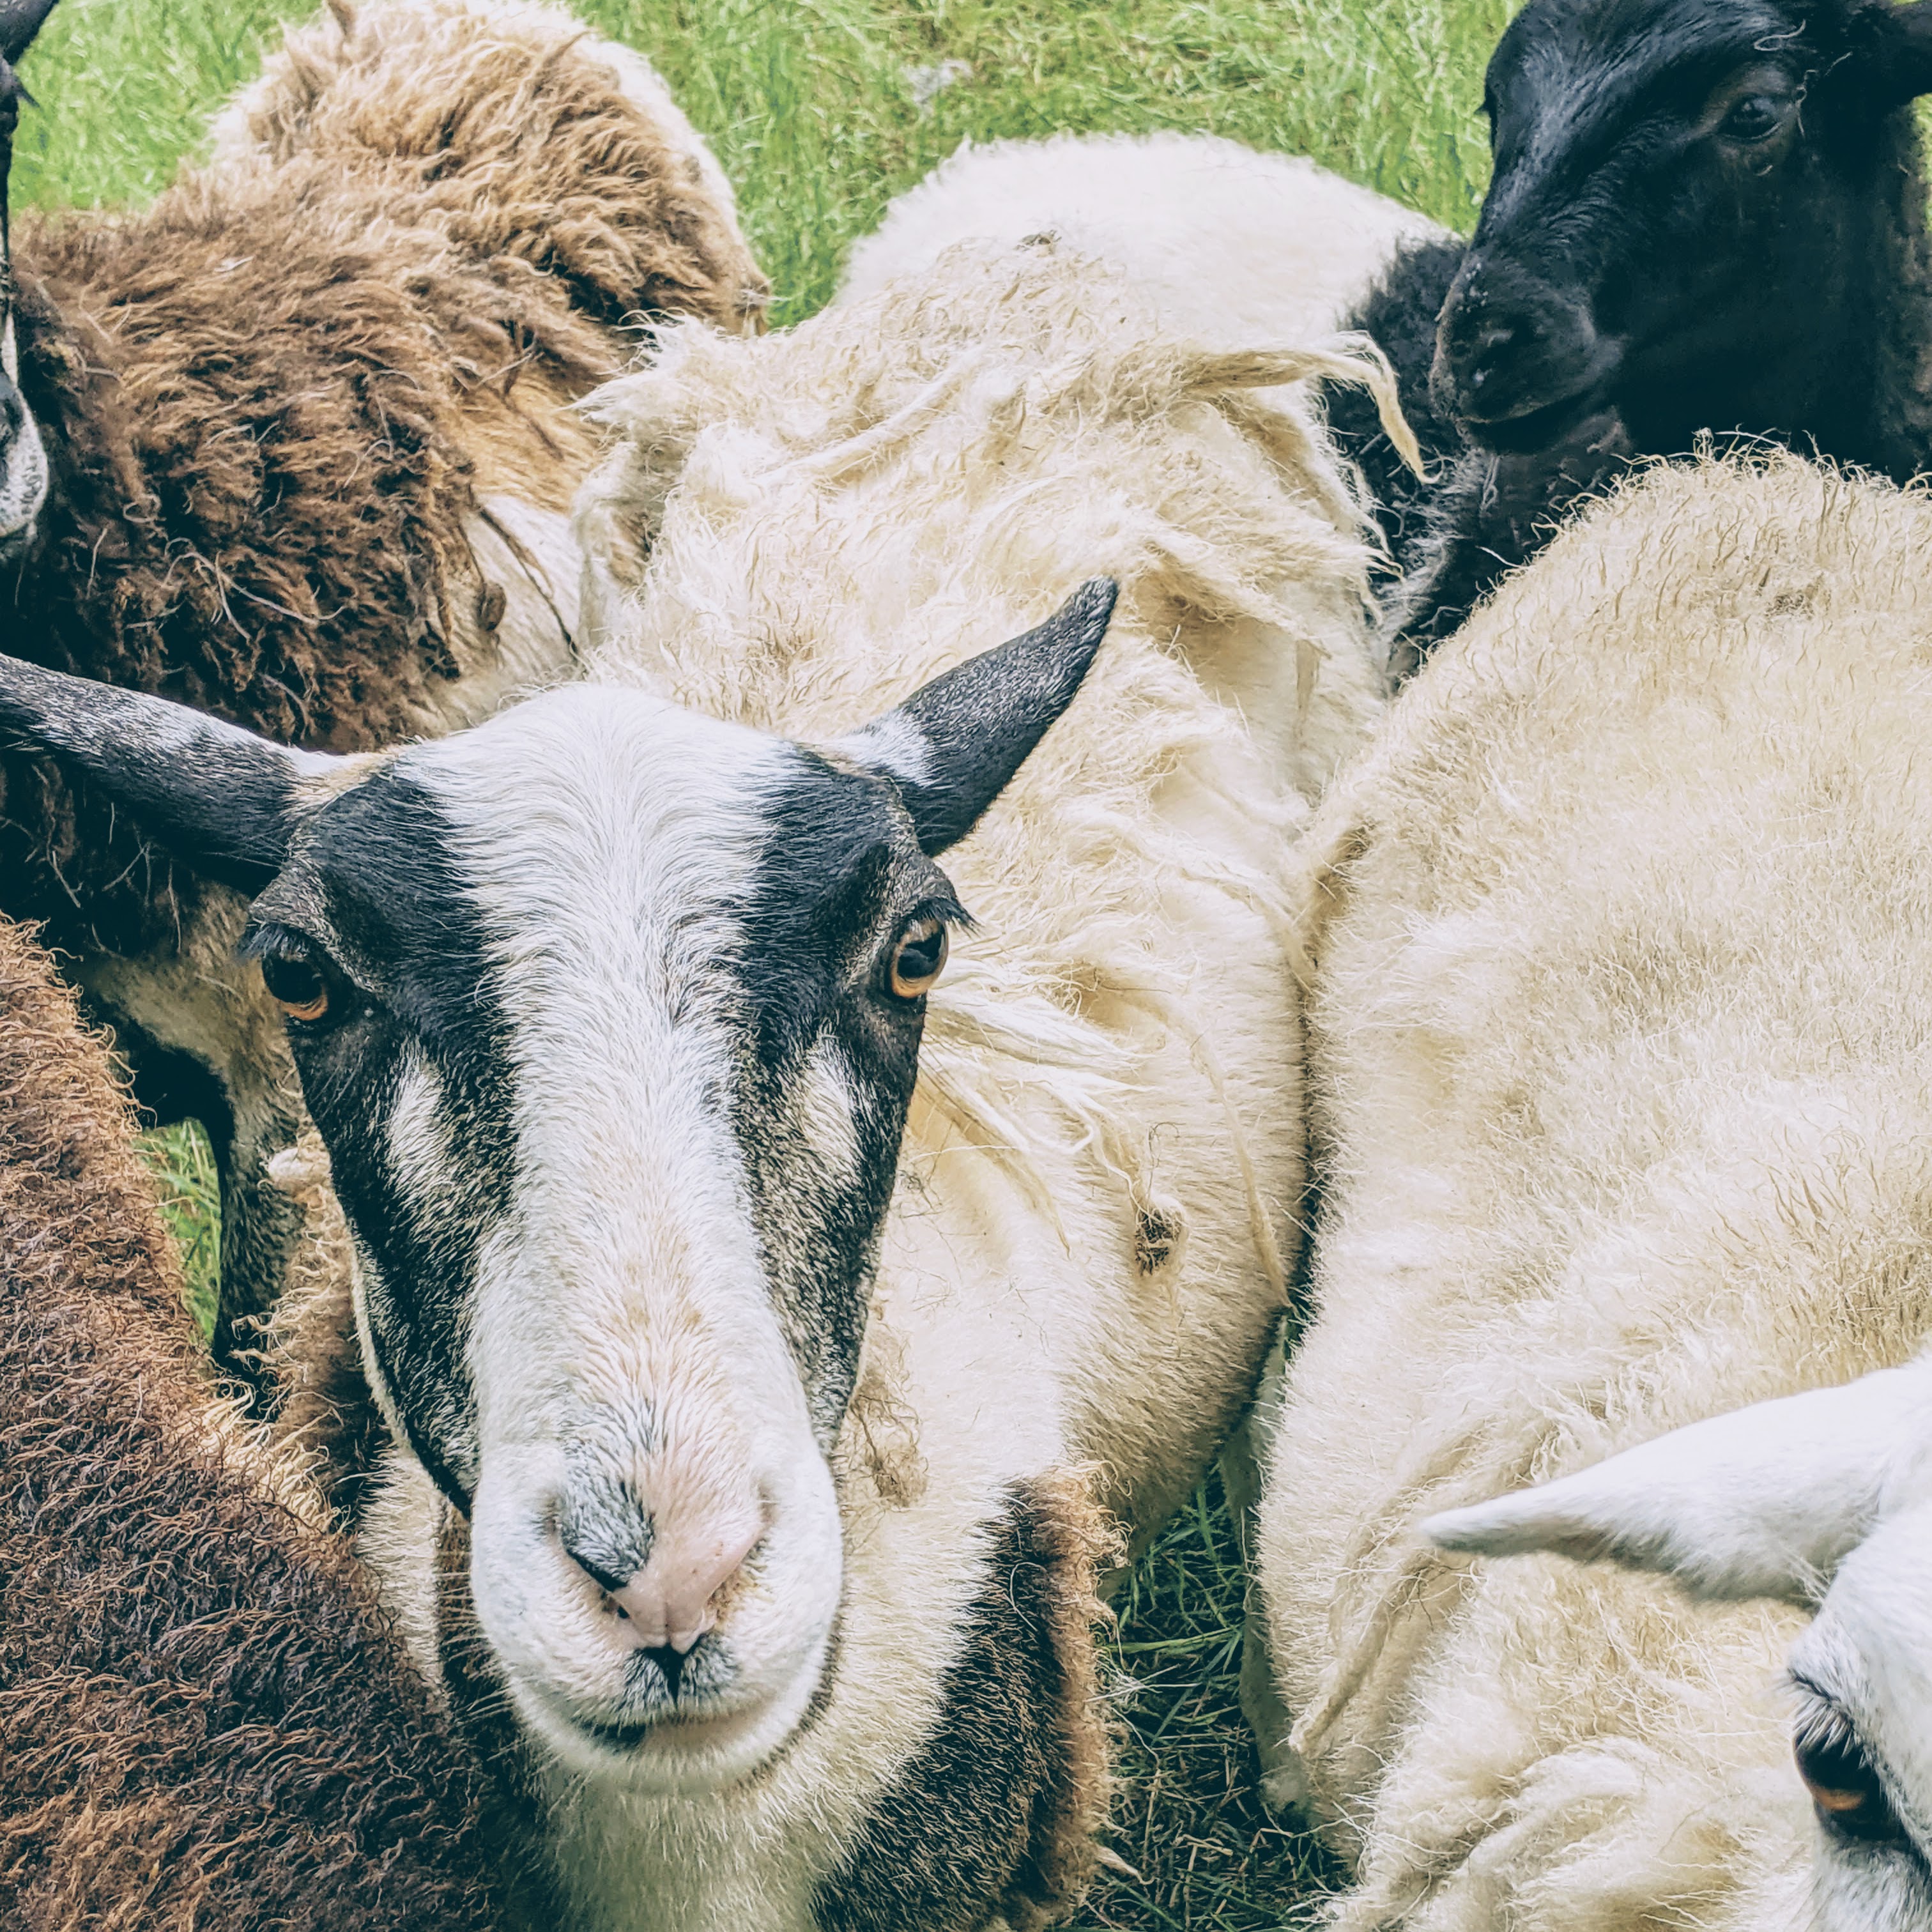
x,y
1845,1789
1755,118
918,958
297,986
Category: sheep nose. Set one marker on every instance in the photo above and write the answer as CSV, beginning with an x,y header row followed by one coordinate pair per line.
x,y
670,1602
1493,347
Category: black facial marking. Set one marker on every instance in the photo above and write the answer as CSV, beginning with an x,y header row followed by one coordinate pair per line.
x,y
840,877
372,889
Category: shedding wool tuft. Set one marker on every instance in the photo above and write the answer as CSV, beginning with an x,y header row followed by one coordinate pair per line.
x,y
207,1725
1620,1065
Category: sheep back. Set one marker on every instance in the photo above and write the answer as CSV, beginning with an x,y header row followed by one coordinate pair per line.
x,y
207,1724
1620,1065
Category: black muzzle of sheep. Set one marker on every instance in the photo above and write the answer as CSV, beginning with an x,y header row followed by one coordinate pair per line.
x,y
23,461
1678,189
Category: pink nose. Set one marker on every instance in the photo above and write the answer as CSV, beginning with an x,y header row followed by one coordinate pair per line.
x,y
670,1603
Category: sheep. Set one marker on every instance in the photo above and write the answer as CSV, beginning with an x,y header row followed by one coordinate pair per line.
x,y
1617,1063
312,456
1818,1499
209,1725
1232,245
1700,218
769,1329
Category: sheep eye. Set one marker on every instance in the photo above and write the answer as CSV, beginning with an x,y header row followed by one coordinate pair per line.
x,y
1845,1789
297,986
918,958
1755,118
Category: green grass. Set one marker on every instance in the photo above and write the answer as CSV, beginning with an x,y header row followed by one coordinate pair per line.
x,y
811,105
811,109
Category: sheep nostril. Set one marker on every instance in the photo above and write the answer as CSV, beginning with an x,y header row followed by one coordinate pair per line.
x,y
1492,348
605,1580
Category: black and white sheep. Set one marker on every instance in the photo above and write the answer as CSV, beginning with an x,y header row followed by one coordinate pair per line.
x,y
310,457
768,1321
1620,1086
208,1724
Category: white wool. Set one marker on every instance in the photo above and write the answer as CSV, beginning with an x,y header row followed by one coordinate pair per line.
x,y
1230,244
1101,1166
1620,1056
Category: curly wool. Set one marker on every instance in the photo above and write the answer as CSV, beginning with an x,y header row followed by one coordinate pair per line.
x,y
1620,1056
207,1726
278,400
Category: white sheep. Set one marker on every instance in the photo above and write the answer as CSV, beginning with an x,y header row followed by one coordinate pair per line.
x,y
313,456
1230,244
1620,1072
769,1345
1824,1500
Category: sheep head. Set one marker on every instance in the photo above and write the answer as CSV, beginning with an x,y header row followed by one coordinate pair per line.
x,y
610,1015
1822,1499
1685,225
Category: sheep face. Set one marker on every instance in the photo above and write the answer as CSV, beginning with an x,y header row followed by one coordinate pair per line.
x,y
610,1014
1824,1498
1679,192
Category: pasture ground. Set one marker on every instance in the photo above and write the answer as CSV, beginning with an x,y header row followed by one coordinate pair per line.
x,y
816,109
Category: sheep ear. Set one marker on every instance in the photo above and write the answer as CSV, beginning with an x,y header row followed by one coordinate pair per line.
x,y
952,747
1766,1502
1898,51
20,20
217,796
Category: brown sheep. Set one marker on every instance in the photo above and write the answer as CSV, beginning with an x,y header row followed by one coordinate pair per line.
x,y
206,1725
310,457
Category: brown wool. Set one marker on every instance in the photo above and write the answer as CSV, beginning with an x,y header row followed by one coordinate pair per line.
x,y
205,1724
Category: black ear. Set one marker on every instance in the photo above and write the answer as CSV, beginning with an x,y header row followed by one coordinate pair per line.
x,y
1897,50
20,20
953,744
217,796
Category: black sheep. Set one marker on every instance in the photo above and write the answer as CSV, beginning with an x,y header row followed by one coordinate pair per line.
x,y
1701,218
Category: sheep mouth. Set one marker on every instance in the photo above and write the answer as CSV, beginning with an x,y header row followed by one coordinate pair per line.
x,y
713,1739
1538,425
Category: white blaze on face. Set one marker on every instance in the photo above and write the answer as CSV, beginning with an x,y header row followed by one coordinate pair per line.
x,y
23,458
629,1365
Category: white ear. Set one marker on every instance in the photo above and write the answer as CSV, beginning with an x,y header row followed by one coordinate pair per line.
x,y
1766,1502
